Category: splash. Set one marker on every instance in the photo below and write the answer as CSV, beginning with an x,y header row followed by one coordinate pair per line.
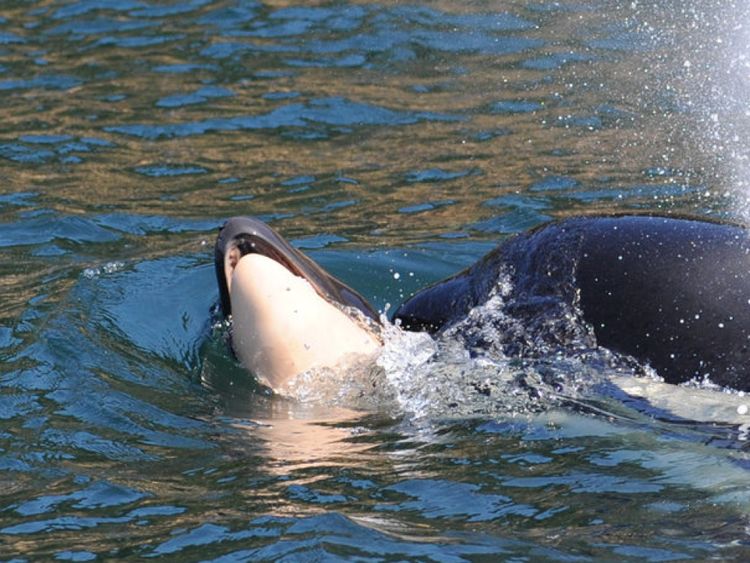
x,y
359,385
496,363
464,372
700,75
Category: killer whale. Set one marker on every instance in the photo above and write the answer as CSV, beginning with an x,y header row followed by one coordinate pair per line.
x,y
670,292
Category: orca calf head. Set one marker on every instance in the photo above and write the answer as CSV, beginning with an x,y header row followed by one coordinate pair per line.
x,y
288,314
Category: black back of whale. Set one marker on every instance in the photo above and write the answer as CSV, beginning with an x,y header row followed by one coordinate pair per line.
x,y
670,292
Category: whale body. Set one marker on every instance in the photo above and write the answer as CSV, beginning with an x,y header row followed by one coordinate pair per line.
x,y
673,293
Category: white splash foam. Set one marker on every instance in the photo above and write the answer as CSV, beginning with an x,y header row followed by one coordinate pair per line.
x,y
404,358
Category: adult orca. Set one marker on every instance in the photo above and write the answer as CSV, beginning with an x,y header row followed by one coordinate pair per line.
x,y
288,314
673,293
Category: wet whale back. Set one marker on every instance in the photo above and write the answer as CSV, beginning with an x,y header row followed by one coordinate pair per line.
x,y
540,264
673,292
670,292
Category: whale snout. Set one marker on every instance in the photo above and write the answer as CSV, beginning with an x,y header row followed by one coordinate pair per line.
x,y
241,236
288,314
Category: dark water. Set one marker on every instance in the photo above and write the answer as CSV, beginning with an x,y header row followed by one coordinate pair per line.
x,y
384,139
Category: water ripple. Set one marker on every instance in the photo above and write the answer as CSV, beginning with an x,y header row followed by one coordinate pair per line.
x,y
48,228
439,175
441,499
97,495
82,7
6,38
88,442
198,97
82,28
208,534
326,111
161,171
44,82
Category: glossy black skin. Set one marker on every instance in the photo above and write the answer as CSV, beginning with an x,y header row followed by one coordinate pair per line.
x,y
670,292
252,235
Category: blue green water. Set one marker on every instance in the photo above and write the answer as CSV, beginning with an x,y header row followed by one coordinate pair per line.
x,y
382,138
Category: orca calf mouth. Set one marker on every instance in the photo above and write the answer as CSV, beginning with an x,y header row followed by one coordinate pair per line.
x,y
241,236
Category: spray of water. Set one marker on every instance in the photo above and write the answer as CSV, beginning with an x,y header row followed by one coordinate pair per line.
x,y
697,78
464,372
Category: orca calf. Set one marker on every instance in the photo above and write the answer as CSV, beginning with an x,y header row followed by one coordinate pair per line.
x,y
288,314
673,293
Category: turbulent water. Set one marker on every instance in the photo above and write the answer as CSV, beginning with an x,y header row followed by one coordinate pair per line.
x,y
395,143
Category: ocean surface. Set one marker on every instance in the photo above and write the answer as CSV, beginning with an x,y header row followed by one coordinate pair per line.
x,y
395,143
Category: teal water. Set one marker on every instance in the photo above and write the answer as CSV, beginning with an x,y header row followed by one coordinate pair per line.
x,y
396,143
